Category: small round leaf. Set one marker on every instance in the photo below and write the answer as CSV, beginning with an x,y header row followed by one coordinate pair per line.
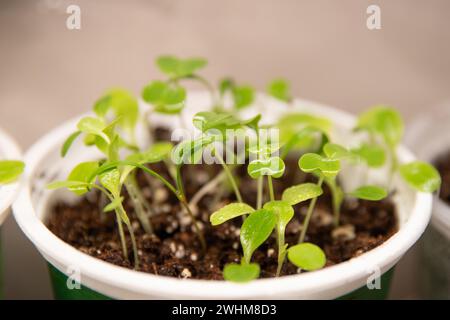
x,y
241,272
421,176
372,193
273,166
10,170
307,256
230,211
301,192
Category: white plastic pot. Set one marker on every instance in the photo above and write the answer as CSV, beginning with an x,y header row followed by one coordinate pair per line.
x,y
44,165
9,150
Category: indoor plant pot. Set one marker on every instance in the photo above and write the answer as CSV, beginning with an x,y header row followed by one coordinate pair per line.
x,y
107,280
8,150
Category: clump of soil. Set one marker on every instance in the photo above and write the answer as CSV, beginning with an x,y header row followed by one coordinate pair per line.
x,y
443,166
174,249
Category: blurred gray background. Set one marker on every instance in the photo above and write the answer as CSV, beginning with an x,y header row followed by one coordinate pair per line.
x,y
50,74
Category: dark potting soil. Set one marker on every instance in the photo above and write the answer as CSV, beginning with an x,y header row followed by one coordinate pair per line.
x,y
443,166
174,249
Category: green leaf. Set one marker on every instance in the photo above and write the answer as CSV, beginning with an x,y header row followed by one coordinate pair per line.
x,y
292,124
230,211
225,85
82,173
190,151
243,96
255,230
207,120
10,170
312,162
337,152
156,153
273,166
307,256
421,176
113,205
111,181
68,184
252,123
241,272
283,211
305,138
176,67
179,68
93,126
68,143
384,121
301,192
279,88
166,98
372,193
123,104
373,155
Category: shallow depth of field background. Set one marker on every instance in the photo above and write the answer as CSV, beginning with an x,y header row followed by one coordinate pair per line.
x,y
49,74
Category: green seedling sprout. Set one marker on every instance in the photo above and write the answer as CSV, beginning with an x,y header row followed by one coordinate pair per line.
x,y
10,171
255,230
242,95
168,97
385,123
300,132
213,126
107,141
279,89
124,107
326,167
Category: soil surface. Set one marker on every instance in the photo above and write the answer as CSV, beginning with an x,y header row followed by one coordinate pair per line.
x,y
174,249
443,166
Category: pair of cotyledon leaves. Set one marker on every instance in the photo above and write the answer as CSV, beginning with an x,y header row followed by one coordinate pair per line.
x,y
168,96
259,225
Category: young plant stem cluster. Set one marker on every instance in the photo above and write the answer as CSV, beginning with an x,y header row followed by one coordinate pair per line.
x,y
112,130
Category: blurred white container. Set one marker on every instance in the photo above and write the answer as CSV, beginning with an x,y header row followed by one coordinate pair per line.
x,y
429,137
9,150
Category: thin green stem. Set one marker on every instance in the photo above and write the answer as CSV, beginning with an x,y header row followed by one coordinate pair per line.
x,y
134,244
178,179
394,165
176,192
230,178
122,235
119,213
271,193
183,200
281,251
259,193
139,203
312,204
207,85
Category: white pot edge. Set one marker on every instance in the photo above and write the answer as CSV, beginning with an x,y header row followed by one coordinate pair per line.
x,y
9,150
123,283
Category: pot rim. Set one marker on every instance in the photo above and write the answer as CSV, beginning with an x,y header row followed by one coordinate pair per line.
x,y
144,284
9,150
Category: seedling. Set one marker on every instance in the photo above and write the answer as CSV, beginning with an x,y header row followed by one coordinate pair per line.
x,y
242,95
385,127
326,167
279,89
